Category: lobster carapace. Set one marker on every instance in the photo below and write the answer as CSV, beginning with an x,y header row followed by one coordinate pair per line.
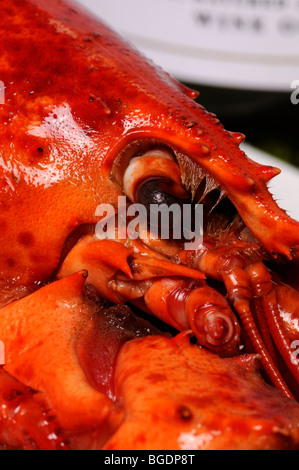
x,y
87,120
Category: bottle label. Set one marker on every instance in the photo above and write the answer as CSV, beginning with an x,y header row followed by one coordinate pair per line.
x,y
237,43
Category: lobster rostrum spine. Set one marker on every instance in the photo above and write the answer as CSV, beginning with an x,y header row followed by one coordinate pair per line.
x,y
94,120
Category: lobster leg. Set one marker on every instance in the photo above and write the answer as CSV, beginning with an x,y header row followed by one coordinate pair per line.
x,y
202,309
263,327
174,293
263,288
288,303
238,286
249,283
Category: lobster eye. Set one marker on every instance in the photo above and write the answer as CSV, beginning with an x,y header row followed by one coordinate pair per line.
x,y
155,192
157,166
155,195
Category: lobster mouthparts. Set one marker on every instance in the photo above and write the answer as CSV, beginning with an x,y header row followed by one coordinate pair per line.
x,y
89,122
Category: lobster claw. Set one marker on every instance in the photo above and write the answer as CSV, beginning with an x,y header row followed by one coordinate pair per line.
x,y
176,294
103,259
41,353
24,422
105,395
218,400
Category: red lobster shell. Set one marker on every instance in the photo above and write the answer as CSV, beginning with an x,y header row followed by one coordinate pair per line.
x,y
86,120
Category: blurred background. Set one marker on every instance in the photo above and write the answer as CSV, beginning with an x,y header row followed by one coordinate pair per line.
x,y
241,55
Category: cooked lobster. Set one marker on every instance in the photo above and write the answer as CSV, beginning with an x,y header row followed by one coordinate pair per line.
x,y
123,343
